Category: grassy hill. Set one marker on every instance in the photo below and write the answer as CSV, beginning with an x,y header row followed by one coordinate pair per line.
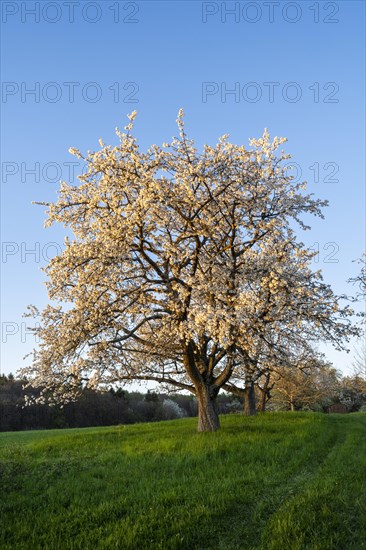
x,y
277,481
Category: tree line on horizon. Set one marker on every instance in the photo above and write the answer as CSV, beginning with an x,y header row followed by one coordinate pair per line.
x,y
322,391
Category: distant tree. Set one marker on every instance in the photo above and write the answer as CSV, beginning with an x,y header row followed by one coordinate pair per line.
x,y
359,362
360,279
289,353
179,261
171,410
311,385
152,396
352,392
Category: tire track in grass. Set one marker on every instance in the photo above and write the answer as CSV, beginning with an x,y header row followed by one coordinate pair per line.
x,y
330,512
248,519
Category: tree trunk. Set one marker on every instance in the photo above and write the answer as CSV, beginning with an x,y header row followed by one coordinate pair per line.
x,y
265,393
249,400
208,419
263,401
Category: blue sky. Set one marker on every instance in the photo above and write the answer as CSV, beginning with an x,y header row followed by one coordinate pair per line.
x,y
294,67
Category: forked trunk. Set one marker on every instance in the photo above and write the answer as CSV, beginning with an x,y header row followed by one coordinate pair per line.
x,y
249,400
208,418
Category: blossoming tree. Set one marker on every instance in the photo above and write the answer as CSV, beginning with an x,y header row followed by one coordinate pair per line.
x,y
294,303
178,261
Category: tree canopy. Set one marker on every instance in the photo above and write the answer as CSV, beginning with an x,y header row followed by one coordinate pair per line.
x,y
182,265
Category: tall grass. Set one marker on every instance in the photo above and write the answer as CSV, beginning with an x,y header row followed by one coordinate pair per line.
x,y
280,480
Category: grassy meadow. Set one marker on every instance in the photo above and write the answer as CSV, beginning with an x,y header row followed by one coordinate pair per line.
x,y
275,481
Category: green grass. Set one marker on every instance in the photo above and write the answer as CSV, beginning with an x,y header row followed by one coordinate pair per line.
x,y
276,481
